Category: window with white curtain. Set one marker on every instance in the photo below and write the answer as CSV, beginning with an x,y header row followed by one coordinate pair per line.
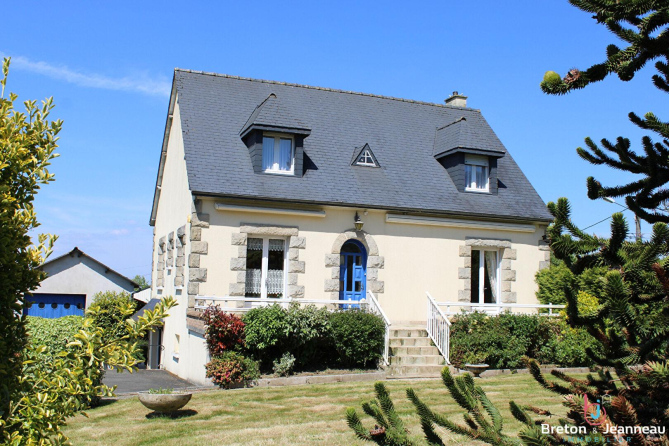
x,y
266,267
476,173
278,153
485,276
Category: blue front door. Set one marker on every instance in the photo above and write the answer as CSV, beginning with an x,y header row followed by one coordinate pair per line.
x,y
352,271
55,305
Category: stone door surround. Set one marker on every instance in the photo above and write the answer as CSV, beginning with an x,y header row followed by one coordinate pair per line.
x,y
374,264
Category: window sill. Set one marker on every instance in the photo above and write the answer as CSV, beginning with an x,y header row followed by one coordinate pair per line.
x,y
279,172
478,191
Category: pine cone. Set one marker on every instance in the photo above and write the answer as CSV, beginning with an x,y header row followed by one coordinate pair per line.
x,y
572,76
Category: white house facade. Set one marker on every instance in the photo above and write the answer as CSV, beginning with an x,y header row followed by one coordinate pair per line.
x,y
268,191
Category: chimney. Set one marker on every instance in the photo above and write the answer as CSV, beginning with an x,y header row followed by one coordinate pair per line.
x,y
456,99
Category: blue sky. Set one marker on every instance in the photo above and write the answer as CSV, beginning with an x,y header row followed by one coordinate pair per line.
x,y
109,68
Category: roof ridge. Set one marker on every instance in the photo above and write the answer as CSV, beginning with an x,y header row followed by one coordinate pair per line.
x,y
334,90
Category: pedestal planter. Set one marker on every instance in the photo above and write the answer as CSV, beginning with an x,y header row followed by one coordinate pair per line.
x,y
476,369
164,403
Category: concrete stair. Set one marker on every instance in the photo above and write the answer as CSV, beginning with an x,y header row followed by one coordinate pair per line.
x,y
413,354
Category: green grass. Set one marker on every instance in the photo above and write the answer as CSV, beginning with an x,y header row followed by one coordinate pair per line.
x,y
297,415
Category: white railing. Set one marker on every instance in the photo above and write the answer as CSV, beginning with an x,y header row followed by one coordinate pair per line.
x,y
240,304
372,305
499,308
438,327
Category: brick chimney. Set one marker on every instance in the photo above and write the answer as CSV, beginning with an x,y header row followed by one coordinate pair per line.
x,y
456,99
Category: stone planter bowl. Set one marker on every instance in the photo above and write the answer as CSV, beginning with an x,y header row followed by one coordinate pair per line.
x,y
476,369
165,402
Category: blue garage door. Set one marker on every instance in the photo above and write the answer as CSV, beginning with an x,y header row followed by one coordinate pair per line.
x,y
55,305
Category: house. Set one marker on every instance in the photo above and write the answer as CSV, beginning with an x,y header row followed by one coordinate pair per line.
x,y
73,279
270,190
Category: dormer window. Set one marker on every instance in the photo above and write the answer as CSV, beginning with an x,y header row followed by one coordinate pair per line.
x,y
363,156
278,153
476,173
366,159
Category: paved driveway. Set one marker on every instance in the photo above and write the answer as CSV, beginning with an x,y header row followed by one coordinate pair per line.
x,y
143,380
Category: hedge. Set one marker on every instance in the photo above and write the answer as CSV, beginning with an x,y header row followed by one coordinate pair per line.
x,y
54,334
315,337
503,340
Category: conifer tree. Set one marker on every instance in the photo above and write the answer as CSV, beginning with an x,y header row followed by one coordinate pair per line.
x,y
631,321
643,26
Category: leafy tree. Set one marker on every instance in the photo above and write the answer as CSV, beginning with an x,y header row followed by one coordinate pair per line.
x,y
141,282
28,141
643,26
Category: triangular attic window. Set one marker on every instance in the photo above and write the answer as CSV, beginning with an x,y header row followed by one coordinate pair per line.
x,y
366,158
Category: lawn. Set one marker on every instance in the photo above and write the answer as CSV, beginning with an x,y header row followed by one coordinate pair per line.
x,y
299,415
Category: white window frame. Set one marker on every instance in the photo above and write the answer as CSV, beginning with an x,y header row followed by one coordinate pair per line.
x,y
472,162
482,272
275,165
366,154
264,265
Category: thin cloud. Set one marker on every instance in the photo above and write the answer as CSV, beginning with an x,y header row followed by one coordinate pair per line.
x,y
141,83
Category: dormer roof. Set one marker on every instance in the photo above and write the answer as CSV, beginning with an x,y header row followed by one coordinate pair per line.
x,y
272,115
460,136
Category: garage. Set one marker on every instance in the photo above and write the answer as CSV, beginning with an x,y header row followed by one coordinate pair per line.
x,y
55,305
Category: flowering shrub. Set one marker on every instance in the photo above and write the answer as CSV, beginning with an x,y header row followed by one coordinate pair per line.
x,y
224,331
231,368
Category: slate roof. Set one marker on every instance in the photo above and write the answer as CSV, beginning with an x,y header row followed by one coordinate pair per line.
x,y
216,108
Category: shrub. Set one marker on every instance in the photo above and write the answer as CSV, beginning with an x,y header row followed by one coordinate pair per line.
x,y
52,391
266,332
54,334
284,366
504,340
551,282
302,331
309,339
28,140
358,337
224,332
567,347
231,369
110,312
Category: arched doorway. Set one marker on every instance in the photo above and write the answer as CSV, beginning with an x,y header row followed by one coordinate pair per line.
x,y
353,261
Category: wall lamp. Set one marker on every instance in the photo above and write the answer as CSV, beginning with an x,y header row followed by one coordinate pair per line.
x,y
358,223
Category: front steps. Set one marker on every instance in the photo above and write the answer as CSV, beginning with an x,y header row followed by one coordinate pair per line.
x,y
413,354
